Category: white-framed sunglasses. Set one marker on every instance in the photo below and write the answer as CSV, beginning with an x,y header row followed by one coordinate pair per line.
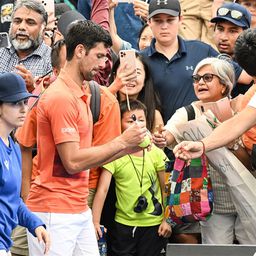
x,y
223,11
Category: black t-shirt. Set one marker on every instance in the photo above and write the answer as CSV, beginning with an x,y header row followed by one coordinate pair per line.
x,y
6,8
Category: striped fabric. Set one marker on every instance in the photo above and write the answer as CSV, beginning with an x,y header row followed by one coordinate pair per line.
x,y
222,199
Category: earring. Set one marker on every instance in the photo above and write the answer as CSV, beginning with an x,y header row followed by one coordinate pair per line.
x,y
223,91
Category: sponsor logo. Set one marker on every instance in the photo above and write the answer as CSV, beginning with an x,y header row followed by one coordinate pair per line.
x,y
68,130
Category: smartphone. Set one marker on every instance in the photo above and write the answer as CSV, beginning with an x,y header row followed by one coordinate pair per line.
x,y
129,57
4,40
48,6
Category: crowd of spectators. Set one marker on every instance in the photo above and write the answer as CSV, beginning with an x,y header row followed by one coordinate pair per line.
x,y
186,52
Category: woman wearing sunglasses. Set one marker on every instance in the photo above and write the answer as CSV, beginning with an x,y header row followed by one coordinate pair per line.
x,y
213,80
13,109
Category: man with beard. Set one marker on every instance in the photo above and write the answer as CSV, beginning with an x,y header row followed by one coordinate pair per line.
x,y
27,55
59,192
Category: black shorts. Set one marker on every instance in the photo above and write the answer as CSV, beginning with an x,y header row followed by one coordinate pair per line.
x,y
139,241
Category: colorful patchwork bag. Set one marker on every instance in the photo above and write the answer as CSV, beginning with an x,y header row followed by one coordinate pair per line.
x,y
189,195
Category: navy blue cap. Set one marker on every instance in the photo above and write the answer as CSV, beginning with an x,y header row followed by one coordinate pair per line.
x,y
244,22
13,88
170,7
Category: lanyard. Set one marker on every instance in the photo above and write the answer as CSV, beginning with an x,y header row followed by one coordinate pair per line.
x,y
139,176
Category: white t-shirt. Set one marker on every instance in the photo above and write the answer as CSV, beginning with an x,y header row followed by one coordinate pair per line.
x,y
179,117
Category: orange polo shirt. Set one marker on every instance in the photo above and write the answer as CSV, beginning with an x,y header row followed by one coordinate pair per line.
x,y
27,133
63,115
107,128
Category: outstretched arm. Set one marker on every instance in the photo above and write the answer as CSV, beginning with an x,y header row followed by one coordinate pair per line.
x,y
75,159
221,136
116,39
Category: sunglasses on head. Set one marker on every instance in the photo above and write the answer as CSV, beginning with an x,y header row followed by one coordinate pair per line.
x,y
223,11
206,78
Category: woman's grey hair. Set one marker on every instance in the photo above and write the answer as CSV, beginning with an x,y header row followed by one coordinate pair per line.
x,y
223,69
32,5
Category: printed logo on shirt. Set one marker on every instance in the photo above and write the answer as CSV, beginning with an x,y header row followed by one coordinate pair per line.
x,y
6,163
189,68
6,13
68,130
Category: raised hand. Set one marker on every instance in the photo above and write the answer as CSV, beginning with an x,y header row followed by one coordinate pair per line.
x,y
187,150
26,75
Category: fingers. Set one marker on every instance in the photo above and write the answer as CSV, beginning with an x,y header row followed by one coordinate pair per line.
x,y
46,240
126,74
21,68
98,231
179,147
26,75
181,151
134,135
112,4
187,150
127,69
141,8
43,237
165,230
159,140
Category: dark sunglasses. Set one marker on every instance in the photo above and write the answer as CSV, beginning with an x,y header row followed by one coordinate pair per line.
x,y
207,78
223,11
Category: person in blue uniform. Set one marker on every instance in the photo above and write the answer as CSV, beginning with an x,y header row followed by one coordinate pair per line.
x,y
13,109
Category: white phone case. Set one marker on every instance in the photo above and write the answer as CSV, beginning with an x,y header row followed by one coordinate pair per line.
x,y
48,5
129,57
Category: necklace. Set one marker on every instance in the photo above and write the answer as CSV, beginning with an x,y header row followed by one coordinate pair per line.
x,y
139,176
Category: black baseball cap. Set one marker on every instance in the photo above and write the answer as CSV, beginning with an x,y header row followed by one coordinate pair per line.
x,y
61,8
170,7
66,19
13,88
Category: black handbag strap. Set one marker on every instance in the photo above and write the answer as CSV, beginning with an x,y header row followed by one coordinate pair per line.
x,y
191,112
